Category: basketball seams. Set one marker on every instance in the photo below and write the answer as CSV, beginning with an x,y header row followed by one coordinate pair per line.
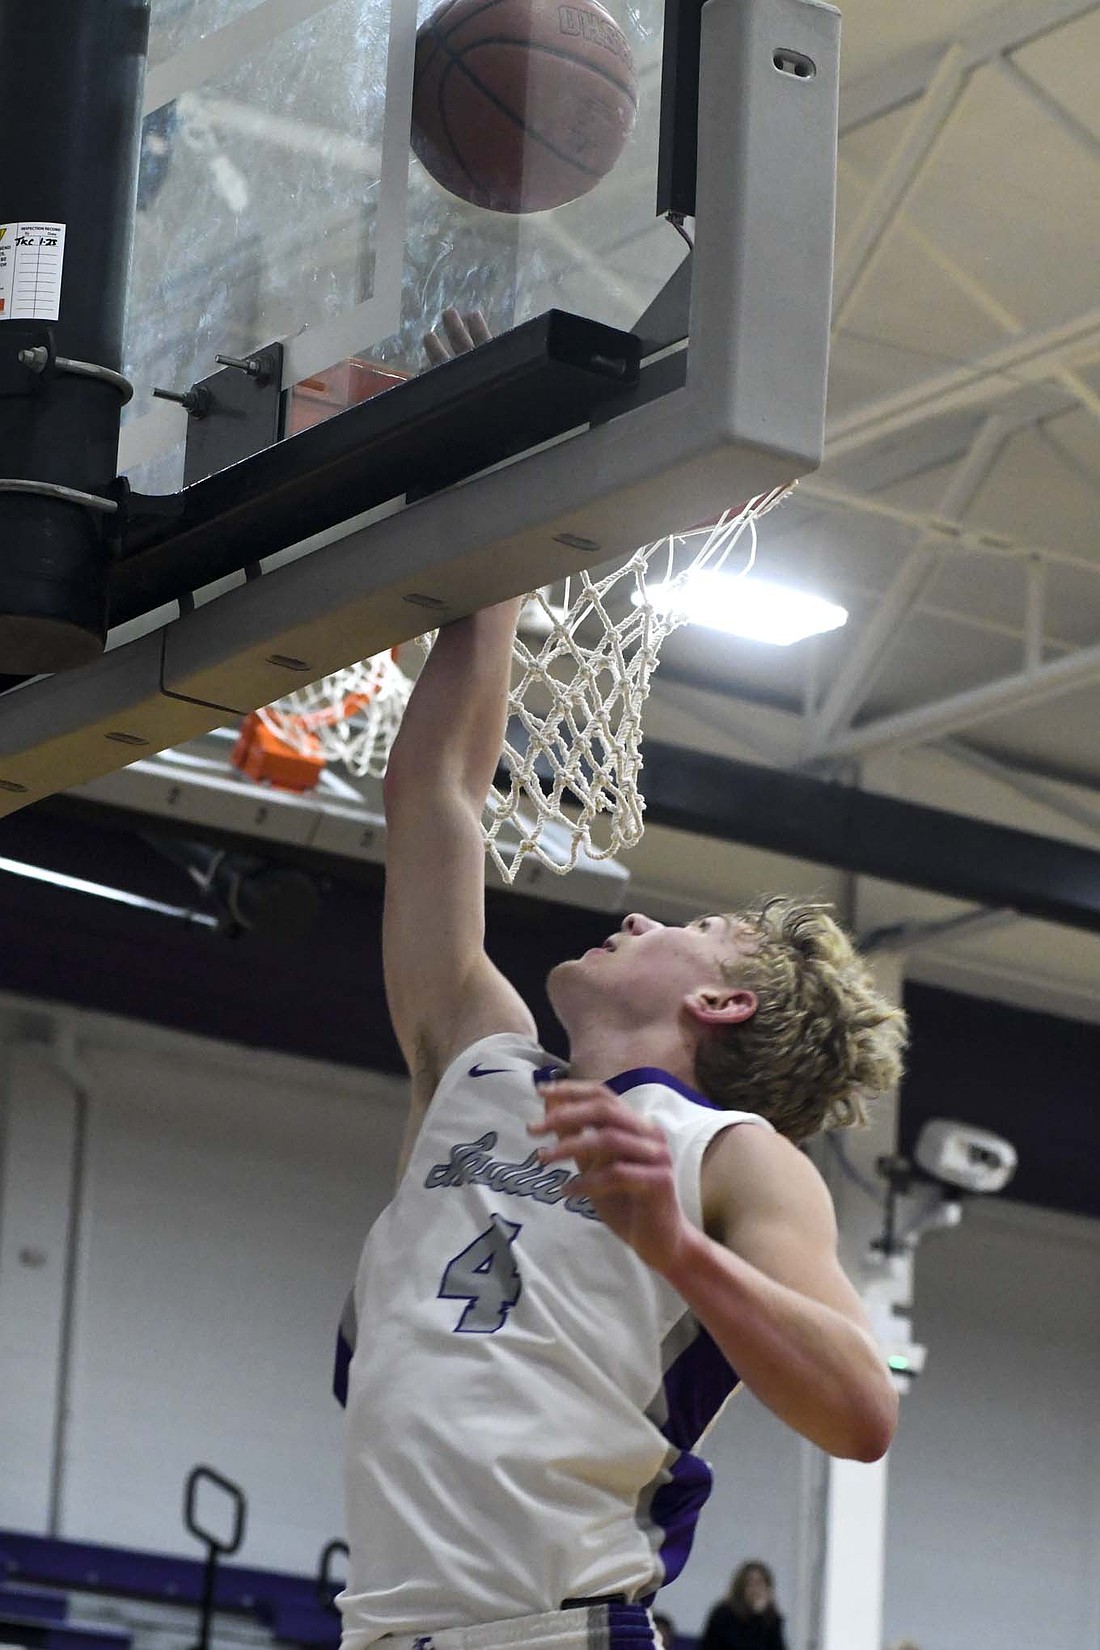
x,y
510,114
468,16
598,116
553,51
445,123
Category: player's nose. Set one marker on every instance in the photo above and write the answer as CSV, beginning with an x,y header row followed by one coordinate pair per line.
x,y
637,923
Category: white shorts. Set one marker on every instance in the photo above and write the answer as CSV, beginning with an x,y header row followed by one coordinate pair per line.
x,y
595,1626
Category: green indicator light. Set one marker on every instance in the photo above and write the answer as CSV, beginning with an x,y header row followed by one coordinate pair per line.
x,y
898,1363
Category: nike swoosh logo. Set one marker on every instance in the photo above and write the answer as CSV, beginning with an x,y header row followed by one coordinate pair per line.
x,y
477,1070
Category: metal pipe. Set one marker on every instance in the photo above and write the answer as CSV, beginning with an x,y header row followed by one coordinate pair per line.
x,y
70,125
67,1061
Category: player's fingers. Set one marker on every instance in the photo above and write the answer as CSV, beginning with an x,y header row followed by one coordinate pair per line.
x,y
434,350
457,335
606,1146
478,327
571,1088
617,1179
600,1109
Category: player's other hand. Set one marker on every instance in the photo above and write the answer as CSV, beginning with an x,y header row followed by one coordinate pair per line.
x,y
624,1161
455,335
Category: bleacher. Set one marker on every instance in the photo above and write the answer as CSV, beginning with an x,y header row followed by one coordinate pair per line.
x,y
73,1595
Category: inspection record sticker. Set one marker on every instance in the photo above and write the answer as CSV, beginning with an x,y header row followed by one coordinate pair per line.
x,y
32,256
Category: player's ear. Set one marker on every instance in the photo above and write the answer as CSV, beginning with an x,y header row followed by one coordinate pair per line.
x,y
721,1005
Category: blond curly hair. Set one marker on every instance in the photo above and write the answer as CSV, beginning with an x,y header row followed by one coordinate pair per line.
x,y
823,1039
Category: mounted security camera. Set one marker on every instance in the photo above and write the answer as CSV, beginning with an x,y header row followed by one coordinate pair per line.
x,y
955,1154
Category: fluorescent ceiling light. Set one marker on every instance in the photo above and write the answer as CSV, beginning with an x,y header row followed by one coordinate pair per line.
x,y
38,873
753,608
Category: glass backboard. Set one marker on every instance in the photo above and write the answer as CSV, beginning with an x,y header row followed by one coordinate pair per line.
x,y
280,198
288,195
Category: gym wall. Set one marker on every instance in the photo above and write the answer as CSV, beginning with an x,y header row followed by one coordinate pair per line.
x,y
221,1208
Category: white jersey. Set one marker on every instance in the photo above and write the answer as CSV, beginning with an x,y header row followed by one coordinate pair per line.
x,y
524,1394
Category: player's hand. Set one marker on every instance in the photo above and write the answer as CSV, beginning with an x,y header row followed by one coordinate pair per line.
x,y
460,334
625,1165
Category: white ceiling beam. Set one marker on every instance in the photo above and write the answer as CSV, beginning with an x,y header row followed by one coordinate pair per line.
x,y
1028,785
935,721
888,193
1035,612
860,668
1029,358
979,295
1005,29
977,540
906,937
1056,111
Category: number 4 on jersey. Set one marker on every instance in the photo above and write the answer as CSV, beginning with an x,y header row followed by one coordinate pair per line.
x,y
486,1275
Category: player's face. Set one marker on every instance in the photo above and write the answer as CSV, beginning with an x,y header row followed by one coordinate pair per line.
x,y
646,969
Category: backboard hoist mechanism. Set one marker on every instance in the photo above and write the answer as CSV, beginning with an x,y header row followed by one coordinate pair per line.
x,y
632,385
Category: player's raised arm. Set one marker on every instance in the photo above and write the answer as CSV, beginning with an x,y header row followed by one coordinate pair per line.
x,y
443,992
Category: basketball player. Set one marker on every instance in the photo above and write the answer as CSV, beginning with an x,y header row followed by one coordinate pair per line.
x,y
584,1258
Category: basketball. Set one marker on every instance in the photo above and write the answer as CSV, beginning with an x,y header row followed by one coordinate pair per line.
x,y
521,105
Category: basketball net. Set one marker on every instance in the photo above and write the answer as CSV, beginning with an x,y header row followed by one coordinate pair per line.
x,y
350,717
582,674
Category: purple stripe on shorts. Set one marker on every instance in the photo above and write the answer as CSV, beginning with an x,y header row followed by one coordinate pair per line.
x,y
629,1627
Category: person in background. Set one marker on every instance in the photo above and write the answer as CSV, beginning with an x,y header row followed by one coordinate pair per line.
x,y
747,1618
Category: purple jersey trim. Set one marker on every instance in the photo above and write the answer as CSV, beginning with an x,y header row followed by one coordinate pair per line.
x,y
696,1386
340,1369
633,1079
653,1074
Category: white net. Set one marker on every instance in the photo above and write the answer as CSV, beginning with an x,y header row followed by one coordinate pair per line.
x,y
352,716
583,669
578,699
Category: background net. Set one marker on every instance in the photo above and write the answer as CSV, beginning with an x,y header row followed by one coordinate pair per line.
x,y
583,665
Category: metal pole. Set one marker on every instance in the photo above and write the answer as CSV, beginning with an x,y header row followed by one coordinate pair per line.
x,y
71,76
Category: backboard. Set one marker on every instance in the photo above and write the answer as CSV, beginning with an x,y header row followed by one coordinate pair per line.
x,y
280,201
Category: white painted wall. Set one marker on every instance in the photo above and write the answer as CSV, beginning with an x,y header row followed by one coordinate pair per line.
x,y
993,1535
225,1198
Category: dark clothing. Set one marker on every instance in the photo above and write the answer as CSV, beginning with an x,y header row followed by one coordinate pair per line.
x,y
725,1631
